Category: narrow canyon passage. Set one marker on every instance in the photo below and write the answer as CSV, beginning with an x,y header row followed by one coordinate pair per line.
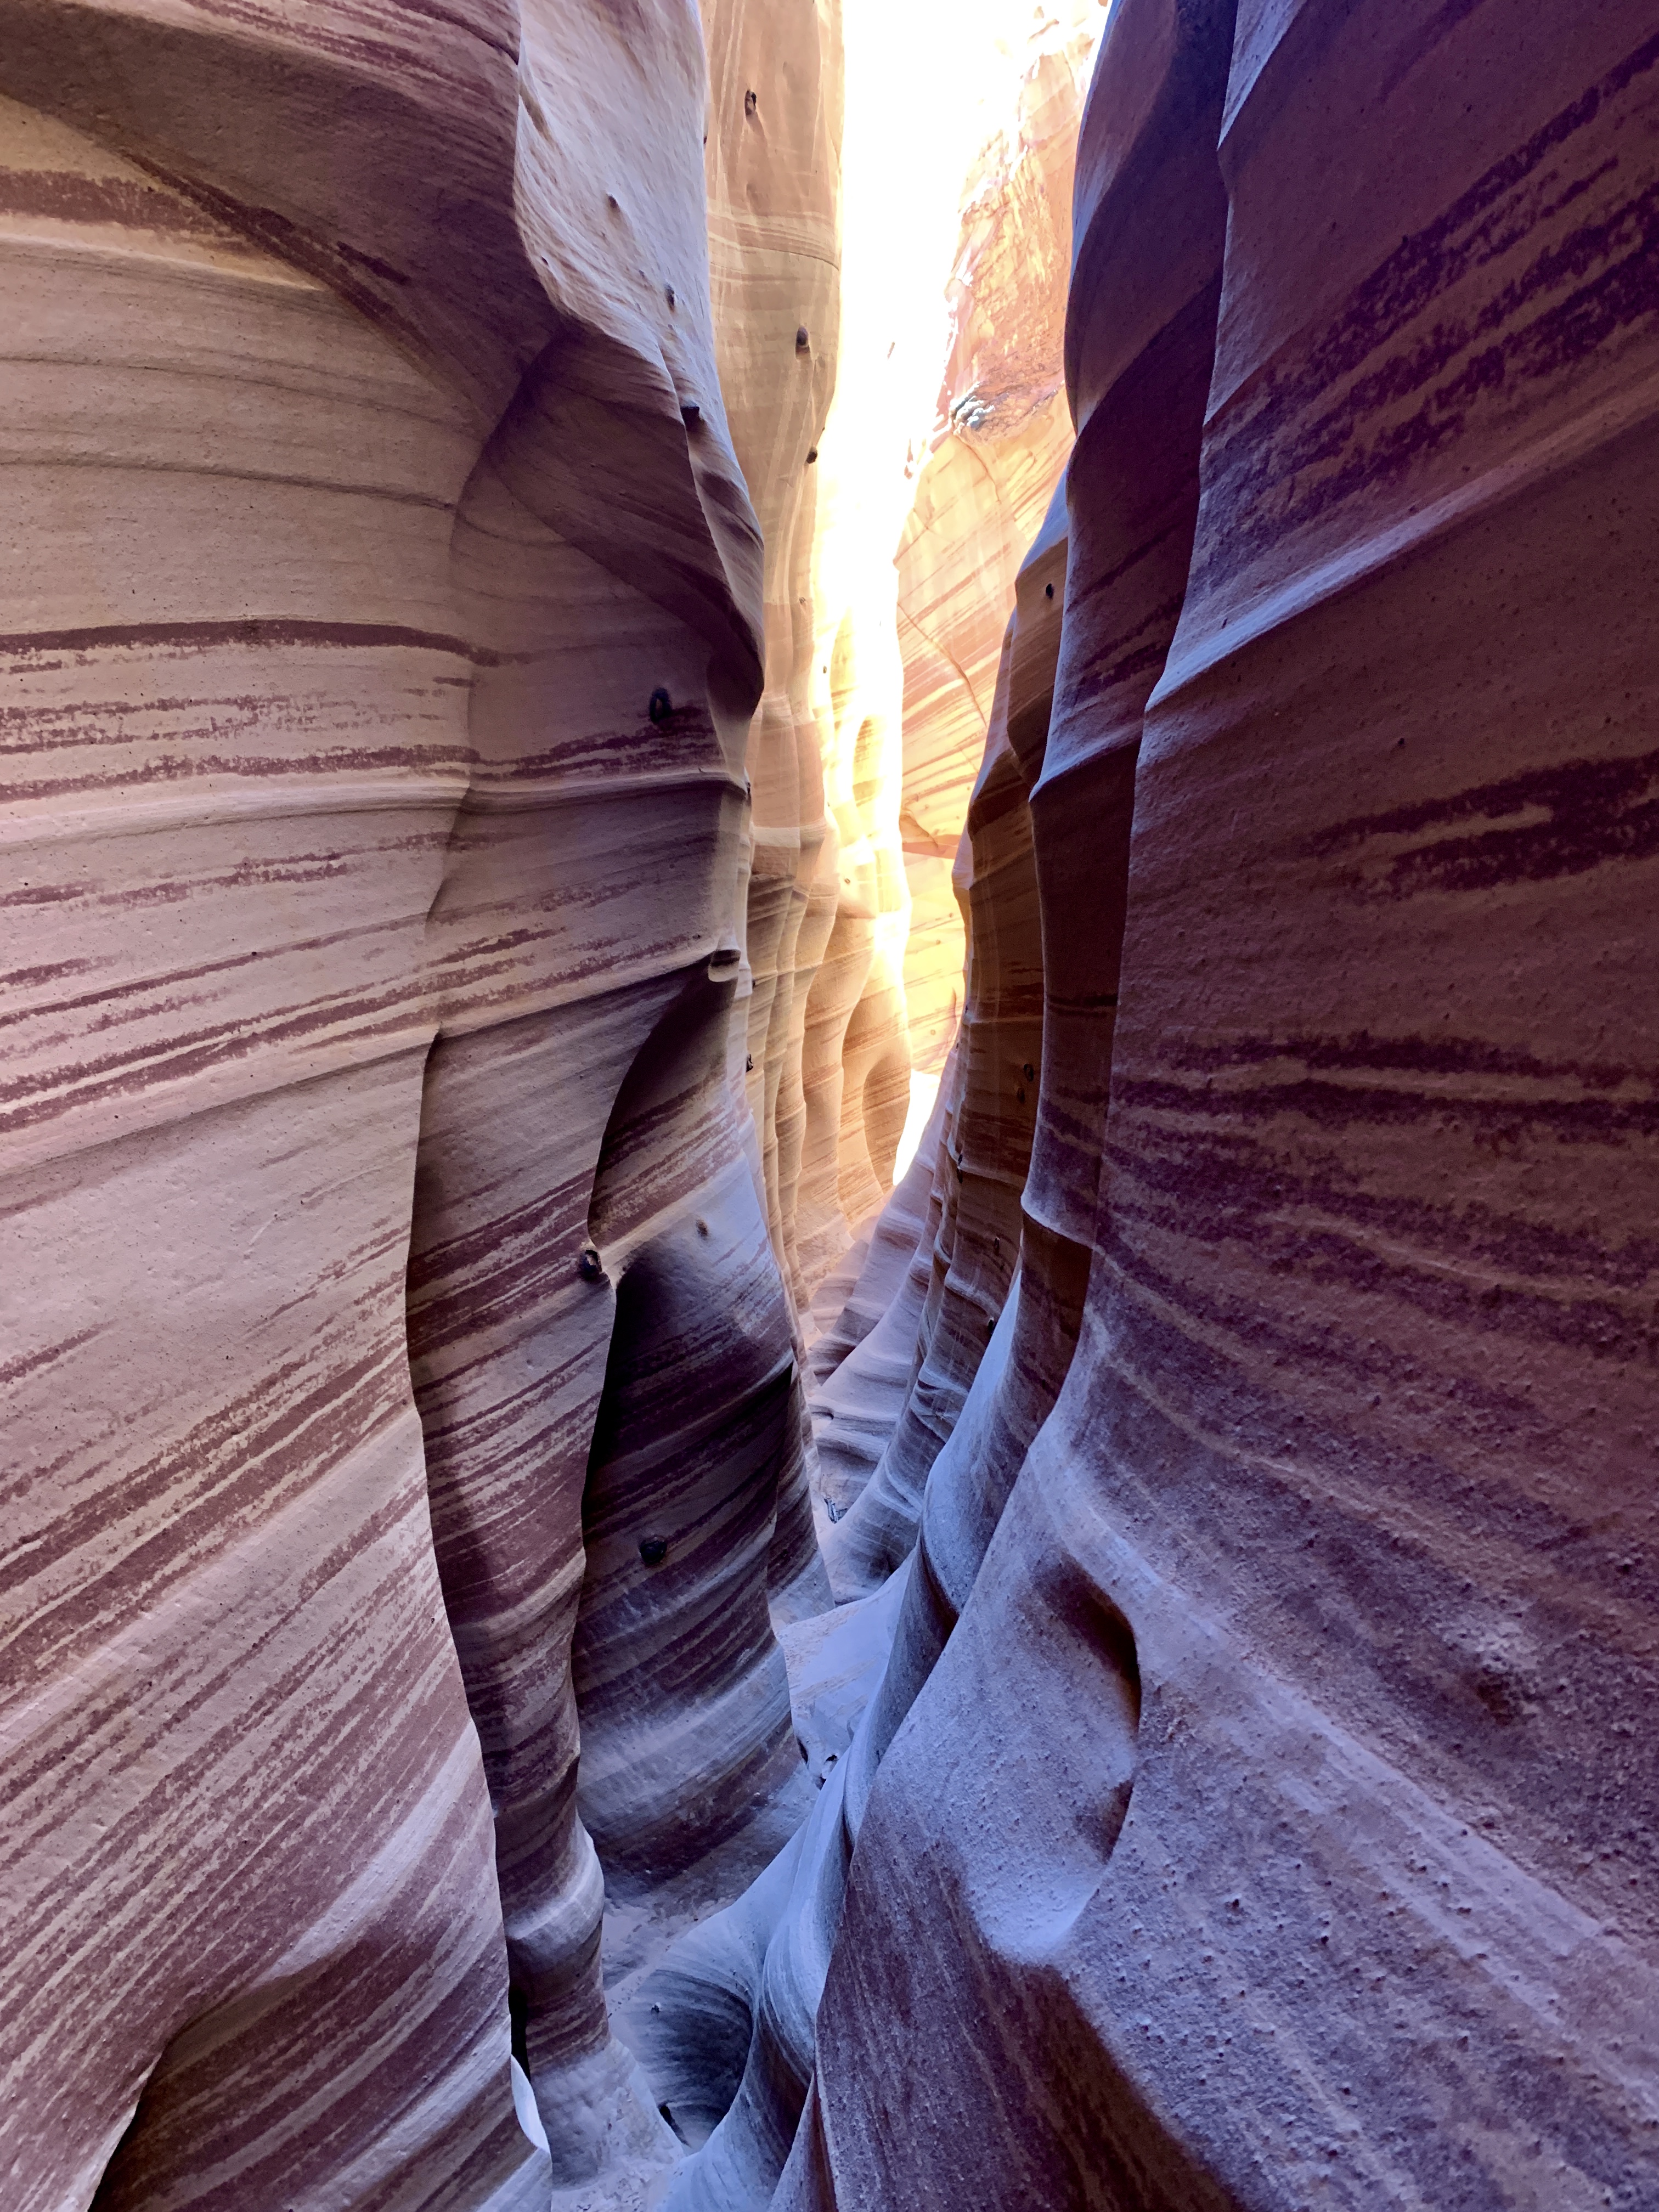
x,y
829,1124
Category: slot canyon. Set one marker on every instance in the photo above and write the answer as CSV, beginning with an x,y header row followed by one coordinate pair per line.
x,y
828,1141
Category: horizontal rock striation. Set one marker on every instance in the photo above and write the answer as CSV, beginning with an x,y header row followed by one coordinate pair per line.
x,y
773,158
1281,1785
459,1032
253,1940
979,1168
984,475
386,622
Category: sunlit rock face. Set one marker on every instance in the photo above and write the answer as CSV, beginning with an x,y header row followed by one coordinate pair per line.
x,y
247,1837
844,345
979,1168
828,907
1271,1823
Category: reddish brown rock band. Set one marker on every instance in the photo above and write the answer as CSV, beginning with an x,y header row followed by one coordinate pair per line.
x,y
828,1247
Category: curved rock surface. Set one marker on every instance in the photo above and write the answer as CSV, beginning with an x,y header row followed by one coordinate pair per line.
x,y
774,157
247,1843
1282,1787
984,472
460,1030
387,623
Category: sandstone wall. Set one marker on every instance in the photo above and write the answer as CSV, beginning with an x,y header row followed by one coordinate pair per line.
x,y
983,473
384,620
774,164
1268,1820
455,893
416,1024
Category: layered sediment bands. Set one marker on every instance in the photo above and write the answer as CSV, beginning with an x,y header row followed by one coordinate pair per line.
x,y
1332,1551
1014,1388
875,1656
684,1698
774,170
386,624
875,1084
761,1967
856,1296
998,444
1232,1786
604,1157
866,1361
1139,347
829,1063
856,1070
247,1840
983,1169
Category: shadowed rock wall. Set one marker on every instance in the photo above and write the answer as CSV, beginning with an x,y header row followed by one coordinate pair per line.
x,y
1274,1826
433,1093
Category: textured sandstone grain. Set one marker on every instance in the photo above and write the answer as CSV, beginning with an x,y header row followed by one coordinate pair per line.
x,y
248,1847
1283,1786
455,890
774,160
984,473
980,1167
389,617
360,509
